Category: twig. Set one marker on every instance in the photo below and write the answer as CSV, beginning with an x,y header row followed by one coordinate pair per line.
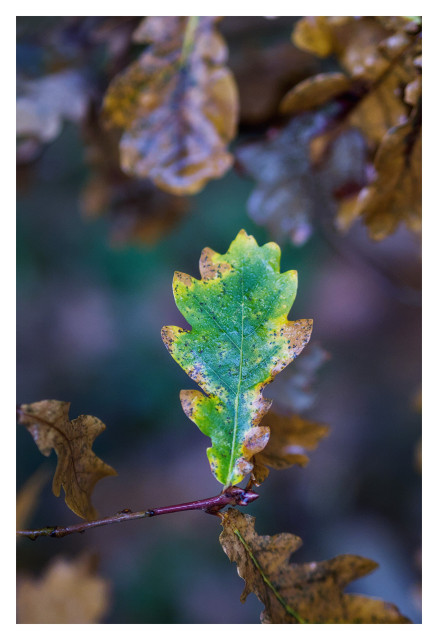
x,y
232,496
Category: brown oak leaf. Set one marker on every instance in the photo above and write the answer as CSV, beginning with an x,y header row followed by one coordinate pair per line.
x,y
300,593
291,437
177,105
69,592
78,468
395,194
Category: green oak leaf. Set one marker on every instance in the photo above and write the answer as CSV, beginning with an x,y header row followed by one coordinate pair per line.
x,y
240,339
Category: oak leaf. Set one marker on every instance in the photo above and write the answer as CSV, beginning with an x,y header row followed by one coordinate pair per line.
x,y
78,468
300,593
177,105
69,592
394,196
240,339
290,437
315,91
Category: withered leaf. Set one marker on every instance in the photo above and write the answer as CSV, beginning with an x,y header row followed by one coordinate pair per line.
x,y
177,105
315,91
300,593
69,592
291,437
314,34
395,194
78,468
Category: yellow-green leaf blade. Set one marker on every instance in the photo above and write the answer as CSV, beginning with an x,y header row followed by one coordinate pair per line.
x,y
240,339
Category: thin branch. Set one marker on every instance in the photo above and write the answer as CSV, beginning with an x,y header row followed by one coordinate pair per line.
x,y
231,496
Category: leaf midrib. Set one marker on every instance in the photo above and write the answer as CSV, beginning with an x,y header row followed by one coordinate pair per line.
x,y
237,399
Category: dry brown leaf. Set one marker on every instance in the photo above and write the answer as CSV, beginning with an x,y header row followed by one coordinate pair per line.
x,y
314,34
300,593
78,468
315,91
28,495
69,592
177,105
395,194
291,437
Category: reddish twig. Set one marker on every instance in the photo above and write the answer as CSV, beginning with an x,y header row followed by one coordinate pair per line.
x,y
232,496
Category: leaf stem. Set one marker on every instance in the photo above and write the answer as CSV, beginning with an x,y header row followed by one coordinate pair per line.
x,y
267,581
233,496
189,37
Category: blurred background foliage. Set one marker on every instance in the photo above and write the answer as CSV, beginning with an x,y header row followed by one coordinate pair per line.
x,y
97,249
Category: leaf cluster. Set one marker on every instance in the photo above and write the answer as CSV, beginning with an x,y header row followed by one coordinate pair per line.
x,y
342,138
377,92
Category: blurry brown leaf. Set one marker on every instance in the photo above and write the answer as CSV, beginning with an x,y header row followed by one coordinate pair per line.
x,y
315,91
69,592
27,497
314,34
139,211
78,468
290,437
294,593
177,105
395,194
